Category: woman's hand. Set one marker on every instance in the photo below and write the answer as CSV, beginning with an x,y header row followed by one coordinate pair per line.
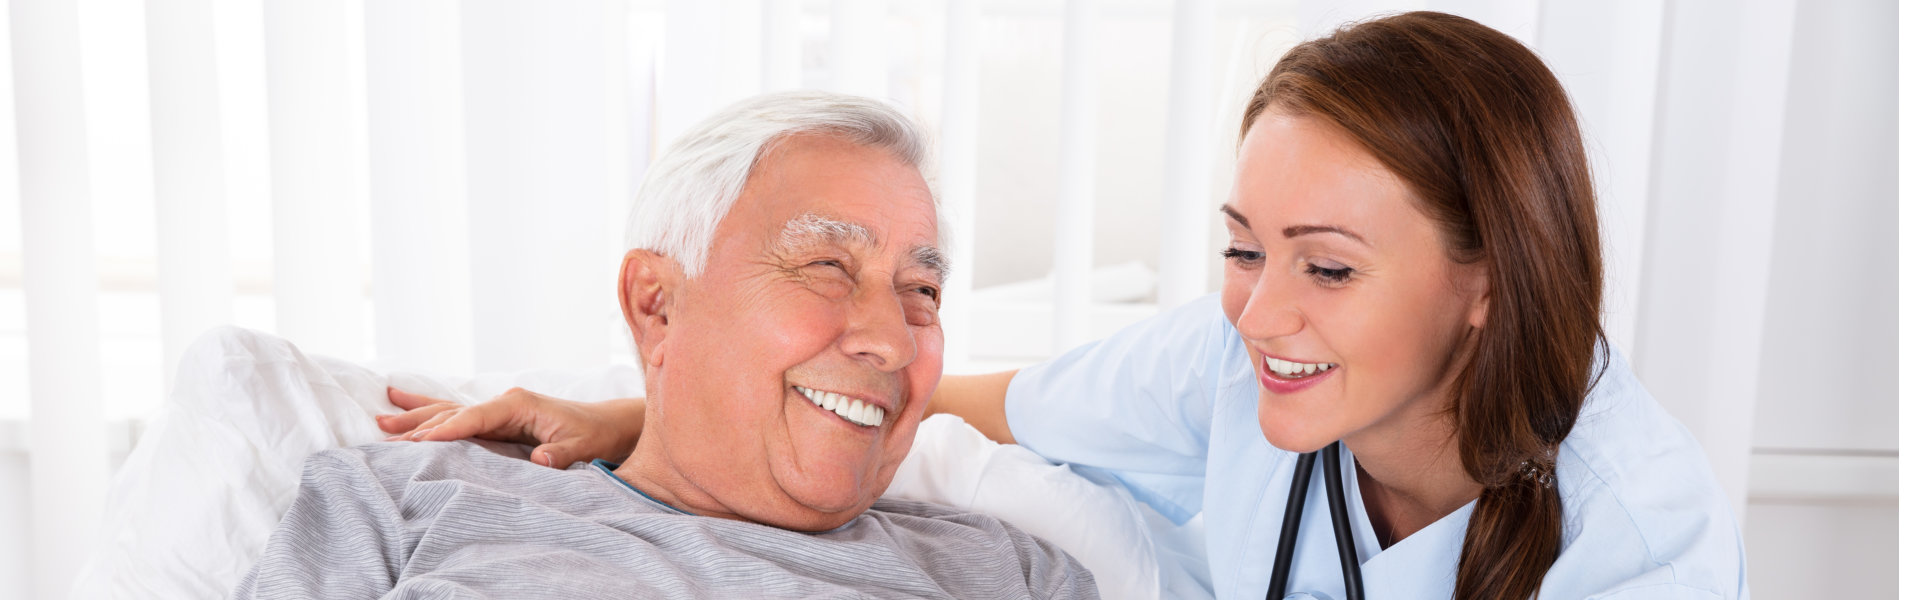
x,y
563,432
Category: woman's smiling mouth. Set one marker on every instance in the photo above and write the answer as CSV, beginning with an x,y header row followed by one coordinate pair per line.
x,y
1286,369
1282,376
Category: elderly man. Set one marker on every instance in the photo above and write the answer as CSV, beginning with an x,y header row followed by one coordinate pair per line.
x,y
783,294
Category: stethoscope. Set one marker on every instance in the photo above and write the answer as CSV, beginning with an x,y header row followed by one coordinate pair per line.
x,y
1342,526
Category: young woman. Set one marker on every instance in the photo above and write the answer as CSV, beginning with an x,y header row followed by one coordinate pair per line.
x,y
1413,281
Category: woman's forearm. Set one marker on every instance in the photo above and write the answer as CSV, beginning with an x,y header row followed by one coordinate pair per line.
x,y
980,400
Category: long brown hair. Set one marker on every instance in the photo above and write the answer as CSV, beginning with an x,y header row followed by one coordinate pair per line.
x,y
1479,128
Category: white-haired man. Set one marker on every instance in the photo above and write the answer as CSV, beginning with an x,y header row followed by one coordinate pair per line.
x,y
783,296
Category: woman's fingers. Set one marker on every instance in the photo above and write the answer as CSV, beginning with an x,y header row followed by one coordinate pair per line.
x,y
499,421
408,421
409,400
418,410
559,455
564,432
420,432
562,452
505,418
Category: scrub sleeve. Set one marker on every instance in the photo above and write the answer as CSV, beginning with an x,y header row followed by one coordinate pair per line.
x,y
1137,406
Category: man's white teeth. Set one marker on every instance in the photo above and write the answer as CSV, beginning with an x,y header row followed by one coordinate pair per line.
x,y
851,409
1293,369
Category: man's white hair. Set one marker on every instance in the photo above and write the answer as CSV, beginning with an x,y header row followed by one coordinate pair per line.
x,y
693,184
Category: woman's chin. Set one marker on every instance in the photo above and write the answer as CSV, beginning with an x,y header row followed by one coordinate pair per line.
x,y
1292,432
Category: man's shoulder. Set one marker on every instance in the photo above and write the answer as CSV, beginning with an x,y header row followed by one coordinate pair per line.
x,y
384,456
916,508
394,464
938,519
958,531
960,536
469,483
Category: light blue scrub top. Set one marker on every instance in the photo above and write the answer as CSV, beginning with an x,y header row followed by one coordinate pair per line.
x,y
1167,406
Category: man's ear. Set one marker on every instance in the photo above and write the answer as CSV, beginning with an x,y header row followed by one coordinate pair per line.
x,y
648,283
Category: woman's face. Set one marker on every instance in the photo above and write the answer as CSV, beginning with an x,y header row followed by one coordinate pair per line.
x,y
1351,311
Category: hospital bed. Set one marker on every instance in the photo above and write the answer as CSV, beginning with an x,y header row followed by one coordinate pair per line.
x,y
196,500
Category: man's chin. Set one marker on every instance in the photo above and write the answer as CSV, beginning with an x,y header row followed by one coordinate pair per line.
x,y
803,517
826,502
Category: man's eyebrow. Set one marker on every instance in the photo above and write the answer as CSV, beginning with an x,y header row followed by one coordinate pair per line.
x,y
932,258
1296,230
810,228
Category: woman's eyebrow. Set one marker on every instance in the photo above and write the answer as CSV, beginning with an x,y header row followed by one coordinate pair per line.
x,y
1235,215
1300,230
1296,230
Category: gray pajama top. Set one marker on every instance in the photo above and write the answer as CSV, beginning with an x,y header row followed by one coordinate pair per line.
x,y
462,520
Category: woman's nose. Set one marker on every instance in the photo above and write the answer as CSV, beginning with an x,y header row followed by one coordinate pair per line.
x,y
1271,310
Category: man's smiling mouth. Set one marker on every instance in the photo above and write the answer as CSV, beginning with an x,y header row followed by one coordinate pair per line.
x,y
852,409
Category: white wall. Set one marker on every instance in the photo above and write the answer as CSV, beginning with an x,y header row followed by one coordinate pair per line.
x,y
1828,381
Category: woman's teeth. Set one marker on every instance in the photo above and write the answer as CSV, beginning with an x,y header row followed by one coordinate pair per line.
x,y
1294,370
854,411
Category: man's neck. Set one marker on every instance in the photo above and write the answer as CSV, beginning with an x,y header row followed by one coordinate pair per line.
x,y
648,469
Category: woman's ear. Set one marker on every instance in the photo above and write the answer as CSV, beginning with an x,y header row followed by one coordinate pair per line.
x,y
1479,295
648,283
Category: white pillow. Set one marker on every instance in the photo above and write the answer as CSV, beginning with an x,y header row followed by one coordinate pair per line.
x,y
1100,525
192,507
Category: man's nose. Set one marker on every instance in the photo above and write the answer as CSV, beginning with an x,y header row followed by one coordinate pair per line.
x,y
877,330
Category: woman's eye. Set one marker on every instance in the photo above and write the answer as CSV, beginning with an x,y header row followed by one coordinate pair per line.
x,y
1245,258
1330,275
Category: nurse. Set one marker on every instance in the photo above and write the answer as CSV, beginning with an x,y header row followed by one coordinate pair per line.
x,y
1414,272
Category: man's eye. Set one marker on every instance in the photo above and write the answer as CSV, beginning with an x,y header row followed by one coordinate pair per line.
x,y
921,303
838,266
924,291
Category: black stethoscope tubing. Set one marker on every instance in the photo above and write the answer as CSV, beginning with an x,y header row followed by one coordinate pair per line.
x,y
1342,524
